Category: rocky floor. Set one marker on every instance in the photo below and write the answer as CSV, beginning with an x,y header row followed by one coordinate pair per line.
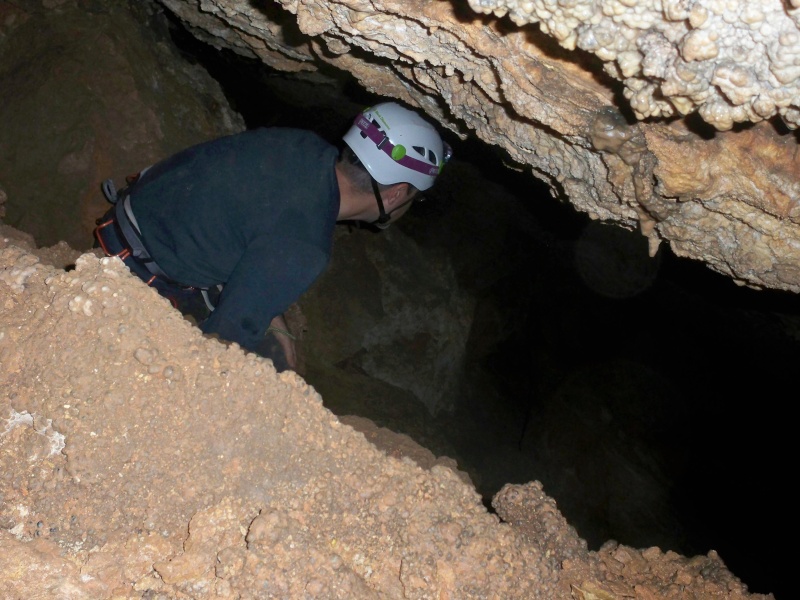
x,y
140,459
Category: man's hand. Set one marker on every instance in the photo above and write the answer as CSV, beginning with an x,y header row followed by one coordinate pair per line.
x,y
280,330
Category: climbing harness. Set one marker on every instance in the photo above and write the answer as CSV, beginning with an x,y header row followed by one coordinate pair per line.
x,y
123,216
117,234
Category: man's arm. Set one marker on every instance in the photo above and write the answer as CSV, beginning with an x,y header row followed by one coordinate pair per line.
x,y
280,330
267,280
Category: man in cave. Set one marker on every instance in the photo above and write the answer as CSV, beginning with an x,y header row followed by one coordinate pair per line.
x,y
246,221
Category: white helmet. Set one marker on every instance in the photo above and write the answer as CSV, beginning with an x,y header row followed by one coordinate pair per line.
x,y
396,145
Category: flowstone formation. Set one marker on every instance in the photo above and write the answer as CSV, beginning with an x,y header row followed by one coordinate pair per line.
x,y
733,62
140,459
523,78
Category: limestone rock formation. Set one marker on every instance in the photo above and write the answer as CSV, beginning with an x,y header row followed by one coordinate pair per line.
x,y
730,61
727,197
139,459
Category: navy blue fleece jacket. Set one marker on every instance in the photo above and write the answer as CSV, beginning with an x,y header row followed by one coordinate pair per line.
x,y
254,211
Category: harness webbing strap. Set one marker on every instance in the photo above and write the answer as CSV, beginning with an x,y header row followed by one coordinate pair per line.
x,y
124,232
132,237
126,204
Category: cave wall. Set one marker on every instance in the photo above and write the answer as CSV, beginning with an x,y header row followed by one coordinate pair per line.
x,y
715,192
518,505
88,92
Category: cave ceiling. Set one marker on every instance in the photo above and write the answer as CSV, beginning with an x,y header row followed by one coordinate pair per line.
x,y
676,118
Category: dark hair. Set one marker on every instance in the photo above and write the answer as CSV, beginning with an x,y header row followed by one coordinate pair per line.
x,y
356,172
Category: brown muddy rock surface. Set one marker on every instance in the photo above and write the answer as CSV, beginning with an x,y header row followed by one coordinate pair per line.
x,y
88,91
140,459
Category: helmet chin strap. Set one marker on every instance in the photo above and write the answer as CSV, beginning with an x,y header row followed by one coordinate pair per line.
x,y
382,221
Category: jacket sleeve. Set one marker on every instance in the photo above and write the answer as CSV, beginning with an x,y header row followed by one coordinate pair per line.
x,y
270,276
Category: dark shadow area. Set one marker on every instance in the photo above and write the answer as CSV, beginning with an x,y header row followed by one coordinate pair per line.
x,y
640,391
695,123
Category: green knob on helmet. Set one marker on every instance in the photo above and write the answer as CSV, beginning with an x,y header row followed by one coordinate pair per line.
x,y
398,152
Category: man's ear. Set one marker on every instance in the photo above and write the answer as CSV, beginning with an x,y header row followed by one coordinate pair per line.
x,y
395,196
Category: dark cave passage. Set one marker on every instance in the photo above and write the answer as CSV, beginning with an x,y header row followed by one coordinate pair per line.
x,y
644,393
